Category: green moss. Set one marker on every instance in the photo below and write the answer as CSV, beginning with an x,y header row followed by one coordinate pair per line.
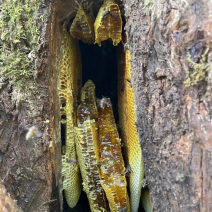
x,y
19,37
199,70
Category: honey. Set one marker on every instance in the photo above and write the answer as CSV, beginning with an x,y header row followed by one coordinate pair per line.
x,y
88,108
108,23
88,155
82,27
112,165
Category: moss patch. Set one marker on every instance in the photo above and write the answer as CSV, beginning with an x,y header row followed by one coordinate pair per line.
x,y
19,39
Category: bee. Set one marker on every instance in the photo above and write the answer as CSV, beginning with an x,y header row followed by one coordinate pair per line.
x,y
180,178
99,190
128,169
126,46
98,164
105,102
33,132
71,161
129,80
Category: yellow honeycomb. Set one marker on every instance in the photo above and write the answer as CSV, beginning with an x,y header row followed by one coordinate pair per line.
x,y
88,154
112,165
92,129
128,129
69,86
146,200
87,109
88,148
108,23
82,27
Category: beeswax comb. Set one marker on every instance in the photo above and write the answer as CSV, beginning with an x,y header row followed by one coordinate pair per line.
x,y
146,200
128,129
88,108
82,27
88,156
88,148
108,23
112,165
69,72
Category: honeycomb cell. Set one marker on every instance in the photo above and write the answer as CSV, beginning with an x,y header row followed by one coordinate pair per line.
x,y
112,165
108,23
82,27
146,200
68,87
88,155
129,133
88,108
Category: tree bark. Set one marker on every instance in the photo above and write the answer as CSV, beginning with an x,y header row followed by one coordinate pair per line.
x,y
29,168
170,43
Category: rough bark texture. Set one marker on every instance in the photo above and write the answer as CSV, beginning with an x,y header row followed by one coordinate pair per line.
x,y
6,202
28,168
172,81
170,43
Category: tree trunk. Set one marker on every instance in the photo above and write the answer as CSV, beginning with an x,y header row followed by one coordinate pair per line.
x,y
170,45
29,142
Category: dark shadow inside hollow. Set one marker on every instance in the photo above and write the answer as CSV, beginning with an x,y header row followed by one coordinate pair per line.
x,y
82,205
99,64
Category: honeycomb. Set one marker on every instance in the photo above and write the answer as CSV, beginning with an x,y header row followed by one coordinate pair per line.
x,y
82,27
88,154
108,23
68,88
128,129
112,165
146,200
87,109
92,128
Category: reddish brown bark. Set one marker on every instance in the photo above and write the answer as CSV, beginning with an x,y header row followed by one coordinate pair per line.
x,y
174,121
